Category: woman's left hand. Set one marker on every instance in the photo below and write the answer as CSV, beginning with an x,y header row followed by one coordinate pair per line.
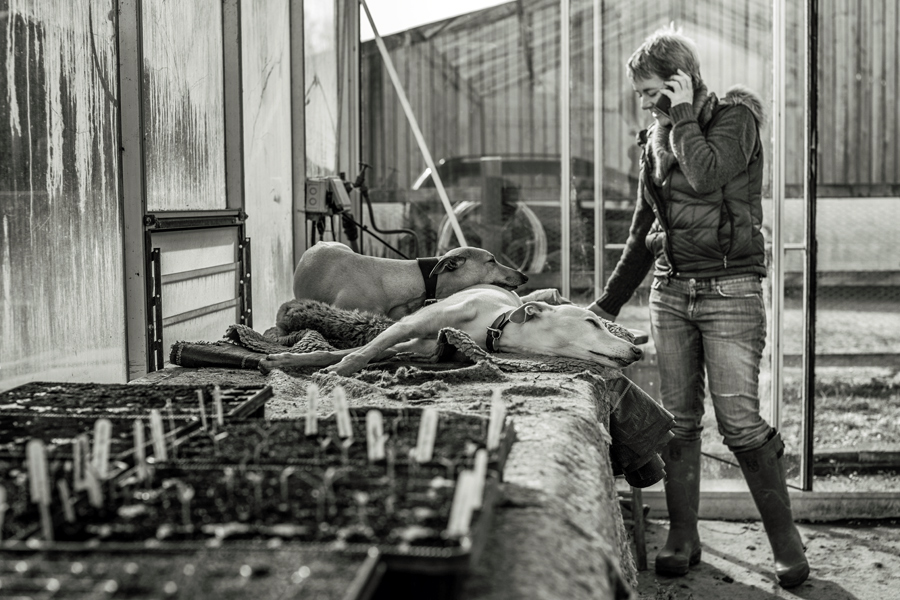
x,y
681,88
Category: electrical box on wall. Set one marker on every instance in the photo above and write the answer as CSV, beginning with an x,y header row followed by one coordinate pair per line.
x,y
326,196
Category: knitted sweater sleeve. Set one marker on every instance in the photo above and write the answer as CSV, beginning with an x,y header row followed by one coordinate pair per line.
x,y
709,162
635,262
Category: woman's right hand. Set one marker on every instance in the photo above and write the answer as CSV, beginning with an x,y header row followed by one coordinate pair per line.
x,y
600,312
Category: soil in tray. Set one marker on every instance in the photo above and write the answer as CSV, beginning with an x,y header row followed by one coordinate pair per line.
x,y
218,573
119,398
284,442
59,431
346,506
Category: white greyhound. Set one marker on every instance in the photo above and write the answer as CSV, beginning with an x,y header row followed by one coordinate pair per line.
x,y
495,318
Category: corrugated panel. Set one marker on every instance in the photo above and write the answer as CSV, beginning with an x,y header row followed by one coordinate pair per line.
x,y
61,296
267,154
183,105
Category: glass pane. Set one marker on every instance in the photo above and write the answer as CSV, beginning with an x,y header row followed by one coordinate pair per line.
x,y
484,88
268,189
61,263
793,226
735,47
858,281
183,105
322,94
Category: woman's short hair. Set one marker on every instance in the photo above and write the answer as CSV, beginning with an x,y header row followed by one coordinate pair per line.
x,y
664,52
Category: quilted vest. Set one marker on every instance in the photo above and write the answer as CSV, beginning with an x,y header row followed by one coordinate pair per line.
x,y
711,235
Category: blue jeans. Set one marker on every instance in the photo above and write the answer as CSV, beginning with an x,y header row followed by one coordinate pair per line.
x,y
716,328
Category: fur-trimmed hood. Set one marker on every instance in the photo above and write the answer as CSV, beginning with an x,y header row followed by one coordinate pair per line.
x,y
742,95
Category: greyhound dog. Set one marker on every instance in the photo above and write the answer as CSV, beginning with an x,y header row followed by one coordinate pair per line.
x,y
331,272
494,317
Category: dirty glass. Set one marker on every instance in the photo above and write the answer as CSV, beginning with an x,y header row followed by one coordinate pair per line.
x,y
61,263
268,188
321,87
857,331
484,85
482,79
183,107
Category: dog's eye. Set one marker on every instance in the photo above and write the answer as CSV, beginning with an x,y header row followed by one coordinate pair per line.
x,y
595,324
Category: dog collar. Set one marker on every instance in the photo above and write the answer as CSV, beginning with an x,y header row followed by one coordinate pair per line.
x,y
426,266
495,331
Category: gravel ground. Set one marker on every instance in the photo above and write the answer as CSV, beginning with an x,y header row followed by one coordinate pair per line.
x,y
848,560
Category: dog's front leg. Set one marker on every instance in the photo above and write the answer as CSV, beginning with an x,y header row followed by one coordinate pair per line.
x,y
422,324
320,358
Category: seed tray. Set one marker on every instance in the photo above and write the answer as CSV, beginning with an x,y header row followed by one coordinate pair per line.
x,y
199,574
285,442
74,398
58,431
329,506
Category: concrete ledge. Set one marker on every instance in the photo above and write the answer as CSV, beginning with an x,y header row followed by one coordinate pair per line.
x,y
732,502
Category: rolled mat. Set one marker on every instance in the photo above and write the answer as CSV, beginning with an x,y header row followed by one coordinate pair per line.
x,y
216,354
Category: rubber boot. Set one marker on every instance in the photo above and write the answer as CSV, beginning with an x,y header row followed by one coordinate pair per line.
x,y
682,549
764,473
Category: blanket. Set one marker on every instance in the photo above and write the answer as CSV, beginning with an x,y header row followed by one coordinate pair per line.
x,y
638,426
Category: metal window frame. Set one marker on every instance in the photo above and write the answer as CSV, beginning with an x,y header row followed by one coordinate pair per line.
x,y
143,321
169,221
298,126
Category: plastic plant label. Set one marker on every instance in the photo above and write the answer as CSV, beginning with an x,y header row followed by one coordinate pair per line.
x,y
37,472
427,434
220,410
312,410
100,454
481,465
203,422
39,479
462,507
497,420
79,458
158,435
140,449
342,413
375,435
92,483
4,506
66,498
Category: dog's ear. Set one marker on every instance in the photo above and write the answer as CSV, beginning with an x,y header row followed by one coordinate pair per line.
x,y
527,311
448,263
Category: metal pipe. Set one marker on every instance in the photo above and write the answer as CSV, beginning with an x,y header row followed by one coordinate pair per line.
x,y
778,137
599,203
809,276
298,129
566,154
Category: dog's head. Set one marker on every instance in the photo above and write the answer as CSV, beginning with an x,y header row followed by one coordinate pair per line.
x,y
464,267
571,331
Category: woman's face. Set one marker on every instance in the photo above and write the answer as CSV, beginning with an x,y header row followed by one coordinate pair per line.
x,y
648,91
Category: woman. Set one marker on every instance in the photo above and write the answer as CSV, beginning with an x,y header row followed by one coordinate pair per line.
x,y
698,224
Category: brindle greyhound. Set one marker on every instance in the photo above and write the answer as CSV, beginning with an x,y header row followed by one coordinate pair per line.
x,y
495,318
331,272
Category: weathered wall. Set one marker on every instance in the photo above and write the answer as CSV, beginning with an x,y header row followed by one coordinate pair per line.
x,y
61,292
267,154
184,105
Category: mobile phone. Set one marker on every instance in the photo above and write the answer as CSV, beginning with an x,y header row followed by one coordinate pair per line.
x,y
663,105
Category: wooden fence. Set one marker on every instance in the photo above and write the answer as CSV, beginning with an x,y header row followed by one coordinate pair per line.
x,y
488,83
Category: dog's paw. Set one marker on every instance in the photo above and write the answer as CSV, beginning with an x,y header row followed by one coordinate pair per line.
x,y
549,295
347,367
